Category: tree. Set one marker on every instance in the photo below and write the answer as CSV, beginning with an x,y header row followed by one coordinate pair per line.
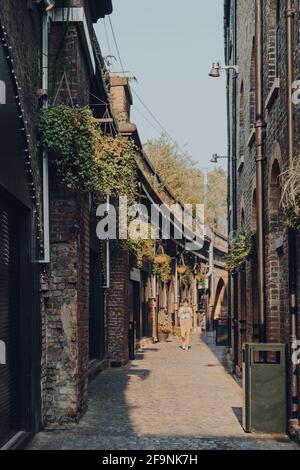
x,y
180,174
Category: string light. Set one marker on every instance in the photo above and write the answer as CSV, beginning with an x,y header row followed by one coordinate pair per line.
x,y
21,112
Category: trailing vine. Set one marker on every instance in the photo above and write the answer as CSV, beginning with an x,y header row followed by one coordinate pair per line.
x,y
163,270
290,202
186,277
201,279
84,158
241,248
141,248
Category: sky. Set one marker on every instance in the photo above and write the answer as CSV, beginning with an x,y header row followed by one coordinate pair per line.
x,y
169,46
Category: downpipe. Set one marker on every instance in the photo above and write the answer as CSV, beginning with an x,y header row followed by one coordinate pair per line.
x,y
45,84
259,160
294,428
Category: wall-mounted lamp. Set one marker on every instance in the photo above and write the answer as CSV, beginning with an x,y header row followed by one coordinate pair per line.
x,y
217,69
216,157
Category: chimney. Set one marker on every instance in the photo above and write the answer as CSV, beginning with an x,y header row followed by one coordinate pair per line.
x,y
121,101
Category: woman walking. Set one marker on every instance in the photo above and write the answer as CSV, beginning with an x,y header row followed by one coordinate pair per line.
x,y
185,315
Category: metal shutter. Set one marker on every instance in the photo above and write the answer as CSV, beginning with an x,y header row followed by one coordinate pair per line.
x,y
9,316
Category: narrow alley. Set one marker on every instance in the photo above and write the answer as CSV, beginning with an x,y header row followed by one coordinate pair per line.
x,y
167,399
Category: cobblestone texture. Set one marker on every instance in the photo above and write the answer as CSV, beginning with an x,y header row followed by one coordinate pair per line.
x,y
166,399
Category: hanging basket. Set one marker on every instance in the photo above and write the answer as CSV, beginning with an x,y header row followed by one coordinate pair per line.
x,y
161,257
181,269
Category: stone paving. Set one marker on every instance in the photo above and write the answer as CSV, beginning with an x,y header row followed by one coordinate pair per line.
x,y
167,399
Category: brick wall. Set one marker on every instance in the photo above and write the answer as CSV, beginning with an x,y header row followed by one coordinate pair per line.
x,y
275,162
66,288
66,306
118,309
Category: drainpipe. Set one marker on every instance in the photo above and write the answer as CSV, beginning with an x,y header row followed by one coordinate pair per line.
x,y
229,303
45,83
294,405
259,124
235,324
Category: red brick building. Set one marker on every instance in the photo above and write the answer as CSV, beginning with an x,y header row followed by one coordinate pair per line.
x,y
264,141
67,300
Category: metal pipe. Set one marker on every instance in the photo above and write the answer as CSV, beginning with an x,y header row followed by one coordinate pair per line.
x,y
234,193
294,391
45,83
259,125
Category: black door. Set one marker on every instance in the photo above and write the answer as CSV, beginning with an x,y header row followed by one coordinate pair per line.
x,y
9,319
137,308
96,322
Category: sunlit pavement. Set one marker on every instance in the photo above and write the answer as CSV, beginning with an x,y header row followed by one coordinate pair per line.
x,y
166,399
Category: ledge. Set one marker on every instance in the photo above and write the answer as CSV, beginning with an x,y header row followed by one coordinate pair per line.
x,y
272,94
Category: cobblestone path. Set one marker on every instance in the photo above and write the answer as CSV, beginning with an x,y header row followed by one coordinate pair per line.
x,y
166,399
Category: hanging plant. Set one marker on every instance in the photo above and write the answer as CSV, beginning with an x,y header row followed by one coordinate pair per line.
x,y
201,279
186,278
83,157
160,257
290,202
182,267
241,248
140,247
163,270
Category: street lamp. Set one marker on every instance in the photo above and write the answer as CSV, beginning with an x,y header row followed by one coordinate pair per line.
x,y
216,157
217,69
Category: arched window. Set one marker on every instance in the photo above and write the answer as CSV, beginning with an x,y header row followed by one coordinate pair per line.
x,y
243,219
2,92
275,211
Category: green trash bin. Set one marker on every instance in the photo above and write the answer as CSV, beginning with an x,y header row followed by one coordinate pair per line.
x,y
264,386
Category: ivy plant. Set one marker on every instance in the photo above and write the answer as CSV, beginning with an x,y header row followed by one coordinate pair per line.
x,y
141,248
241,248
163,270
84,158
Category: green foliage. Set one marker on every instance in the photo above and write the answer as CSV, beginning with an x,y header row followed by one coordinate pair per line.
x,y
164,323
241,248
140,247
292,214
163,270
181,175
201,278
290,181
83,157
186,278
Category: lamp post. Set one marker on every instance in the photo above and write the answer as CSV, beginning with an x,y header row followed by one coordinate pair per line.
x,y
215,157
217,69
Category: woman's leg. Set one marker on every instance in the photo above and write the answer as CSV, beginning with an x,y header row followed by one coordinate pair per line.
x,y
183,332
188,334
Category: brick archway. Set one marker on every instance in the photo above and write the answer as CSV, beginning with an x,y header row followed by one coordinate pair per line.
x,y
274,248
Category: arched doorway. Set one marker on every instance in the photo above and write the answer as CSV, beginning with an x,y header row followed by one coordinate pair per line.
x,y
220,305
275,242
254,328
